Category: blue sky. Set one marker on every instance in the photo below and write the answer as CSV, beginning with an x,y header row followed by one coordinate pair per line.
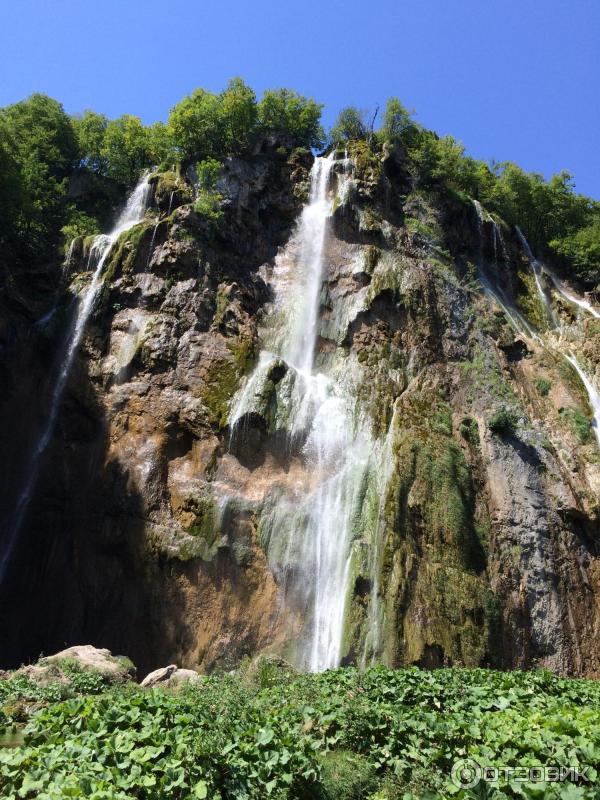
x,y
512,79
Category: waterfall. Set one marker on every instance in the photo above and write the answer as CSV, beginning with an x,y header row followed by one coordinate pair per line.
x,y
299,348
592,392
570,297
537,270
498,237
309,529
132,214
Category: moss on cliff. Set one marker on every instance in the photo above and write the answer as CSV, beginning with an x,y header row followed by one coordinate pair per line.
x,y
433,564
220,383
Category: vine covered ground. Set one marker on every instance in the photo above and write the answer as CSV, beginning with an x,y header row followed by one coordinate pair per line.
x,y
267,732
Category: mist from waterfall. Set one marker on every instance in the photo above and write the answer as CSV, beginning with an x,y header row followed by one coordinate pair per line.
x,y
132,214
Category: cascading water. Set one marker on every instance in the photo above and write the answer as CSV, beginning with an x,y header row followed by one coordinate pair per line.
x,y
132,214
536,268
593,395
592,392
309,530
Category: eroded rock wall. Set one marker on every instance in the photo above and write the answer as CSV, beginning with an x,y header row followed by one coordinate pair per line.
x,y
484,549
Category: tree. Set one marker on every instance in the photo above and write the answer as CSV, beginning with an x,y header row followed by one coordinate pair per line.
x,y
40,145
285,111
350,125
239,115
90,130
125,149
161,150
397,120
196,127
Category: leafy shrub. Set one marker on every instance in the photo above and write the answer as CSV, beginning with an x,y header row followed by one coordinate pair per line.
x,y
578,423
503,422
469,430
543,385
343,733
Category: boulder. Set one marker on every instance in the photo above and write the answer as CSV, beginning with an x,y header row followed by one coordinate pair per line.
x,y
170,676
86,657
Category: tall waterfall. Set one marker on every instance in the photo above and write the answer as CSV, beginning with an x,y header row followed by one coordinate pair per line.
x,y
133,213
309,528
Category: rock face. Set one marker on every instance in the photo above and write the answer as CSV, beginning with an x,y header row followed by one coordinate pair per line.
x,y
145,531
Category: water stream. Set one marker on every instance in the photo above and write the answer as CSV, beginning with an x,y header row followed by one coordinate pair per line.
x,y
132,214
538,270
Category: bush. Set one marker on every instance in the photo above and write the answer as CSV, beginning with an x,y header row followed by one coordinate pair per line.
x,y
543,385
503,422
578,423
341,734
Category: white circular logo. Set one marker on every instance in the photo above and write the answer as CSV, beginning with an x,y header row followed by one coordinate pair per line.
x,y
466,773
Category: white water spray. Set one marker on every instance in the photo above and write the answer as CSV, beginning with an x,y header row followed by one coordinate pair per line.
x,y
132,214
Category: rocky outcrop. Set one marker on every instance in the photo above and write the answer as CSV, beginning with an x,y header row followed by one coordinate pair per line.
x,y
145,534
82,658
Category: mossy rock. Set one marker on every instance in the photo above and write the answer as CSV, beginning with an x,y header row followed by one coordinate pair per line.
x,y
170,191
220,385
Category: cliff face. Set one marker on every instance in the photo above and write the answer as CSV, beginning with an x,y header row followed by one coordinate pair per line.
x,y
161,529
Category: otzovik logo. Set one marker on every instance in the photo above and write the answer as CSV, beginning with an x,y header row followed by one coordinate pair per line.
x,y
467,773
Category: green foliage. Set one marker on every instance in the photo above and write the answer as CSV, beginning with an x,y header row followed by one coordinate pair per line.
x,y
38,150
580,249
543,385
503,422
397,120
577,421
208,200
239,114
90,129
340,734
285,111
79,224
125,149
469,430
196,126
350,125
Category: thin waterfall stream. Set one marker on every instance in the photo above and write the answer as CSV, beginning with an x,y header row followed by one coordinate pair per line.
x,y
555,322
132,214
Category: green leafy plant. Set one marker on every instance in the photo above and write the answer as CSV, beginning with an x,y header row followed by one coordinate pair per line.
x,y
543,385
503,422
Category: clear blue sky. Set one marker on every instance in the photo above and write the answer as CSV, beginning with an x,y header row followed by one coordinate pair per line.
x,y
512,79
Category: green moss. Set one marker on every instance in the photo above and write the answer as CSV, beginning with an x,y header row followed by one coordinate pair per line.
x,y
219,387
243,350
205,524
529,302
433,559
222,302
372,255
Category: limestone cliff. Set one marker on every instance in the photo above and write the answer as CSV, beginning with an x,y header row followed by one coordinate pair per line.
x,y
146,533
